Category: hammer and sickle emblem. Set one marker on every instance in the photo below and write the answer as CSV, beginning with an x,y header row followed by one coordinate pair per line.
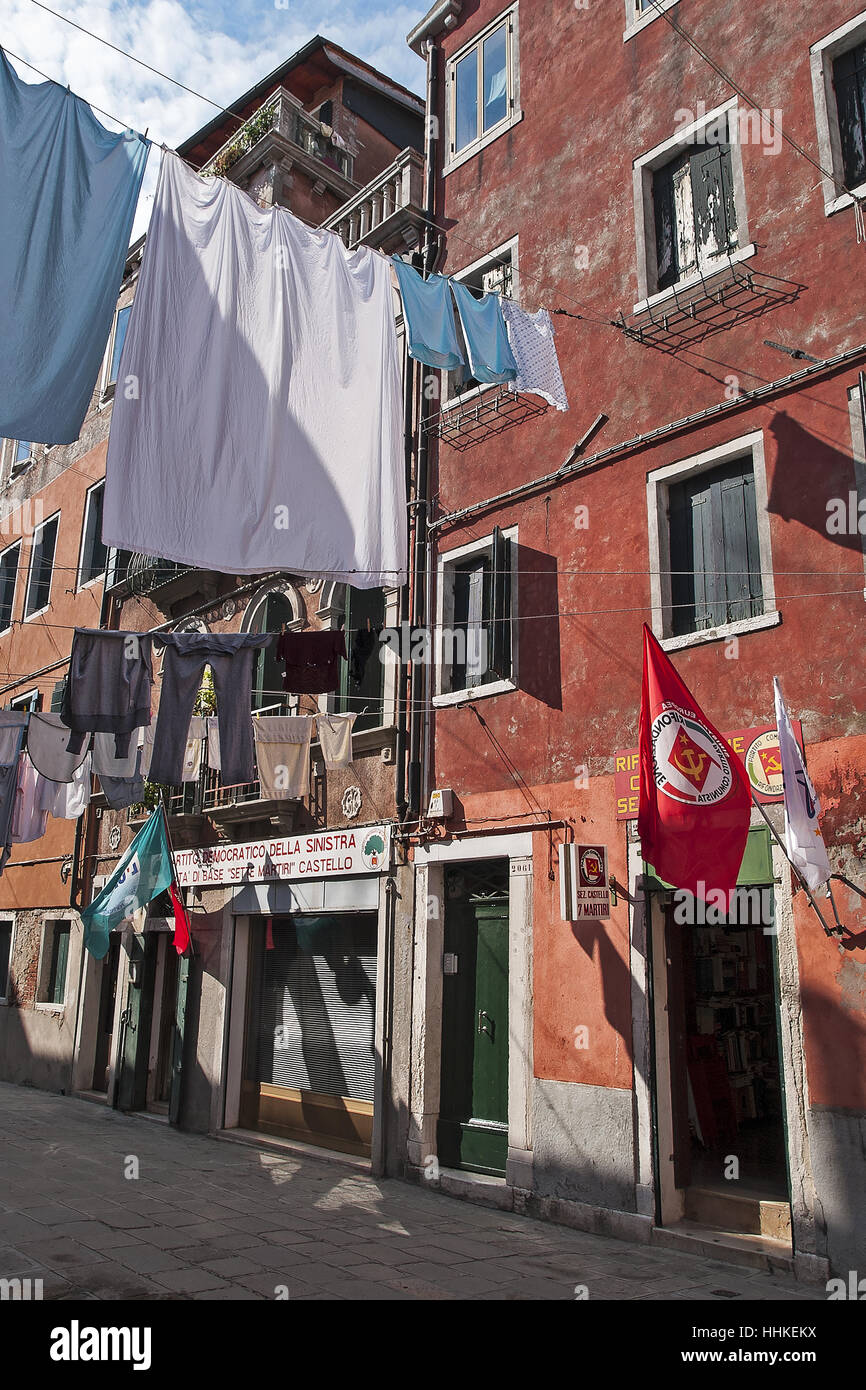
x,y
691,765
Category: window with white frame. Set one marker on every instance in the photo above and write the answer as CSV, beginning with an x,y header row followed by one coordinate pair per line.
x,y
476,627
709,544
7,928
118,338
481,86
690,204
494,274
22,453
640,13
94,554
53,966
30,702
42,550
10,559
838,64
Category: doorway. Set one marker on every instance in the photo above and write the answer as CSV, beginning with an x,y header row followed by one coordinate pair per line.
x,y
310,1061
105,1026
473,1112
719,1090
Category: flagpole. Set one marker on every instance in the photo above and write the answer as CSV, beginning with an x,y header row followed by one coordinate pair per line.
x,y
830,931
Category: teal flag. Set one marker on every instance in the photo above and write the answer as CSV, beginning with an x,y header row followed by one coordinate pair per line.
x,y
144,871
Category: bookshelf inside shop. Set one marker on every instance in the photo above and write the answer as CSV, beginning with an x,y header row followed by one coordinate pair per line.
x,y
733,1064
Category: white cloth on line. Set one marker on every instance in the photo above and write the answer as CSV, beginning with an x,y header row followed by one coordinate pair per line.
x,y
532,341
32,795
192,752
335,738
213,742
71,799
264,427
283,754
107,764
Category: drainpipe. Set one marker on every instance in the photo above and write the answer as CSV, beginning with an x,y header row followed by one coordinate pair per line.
x,y
420,576
403,677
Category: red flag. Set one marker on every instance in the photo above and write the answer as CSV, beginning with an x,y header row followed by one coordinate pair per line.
x,y
269,934
695,794
181,921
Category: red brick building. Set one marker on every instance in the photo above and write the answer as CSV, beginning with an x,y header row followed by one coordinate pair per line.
x,y
629,1074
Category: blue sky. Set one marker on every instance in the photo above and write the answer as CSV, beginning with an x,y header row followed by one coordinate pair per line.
x,y
218,47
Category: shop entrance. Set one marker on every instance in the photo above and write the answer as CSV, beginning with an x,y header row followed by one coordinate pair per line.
x,y
718,1057
473,1109
310,1062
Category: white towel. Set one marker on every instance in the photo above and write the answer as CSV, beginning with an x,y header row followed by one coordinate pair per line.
x,y
283,755
71,799
335,737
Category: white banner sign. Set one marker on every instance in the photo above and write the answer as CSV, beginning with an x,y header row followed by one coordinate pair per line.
x,y
322,854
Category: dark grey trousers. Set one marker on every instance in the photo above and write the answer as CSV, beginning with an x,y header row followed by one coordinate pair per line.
x,y
230,656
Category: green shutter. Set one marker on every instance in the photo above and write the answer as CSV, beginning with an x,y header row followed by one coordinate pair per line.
x,y
59,958
57,696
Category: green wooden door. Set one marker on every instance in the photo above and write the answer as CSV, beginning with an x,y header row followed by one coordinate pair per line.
x,y
135,1046
177,1036
473,1113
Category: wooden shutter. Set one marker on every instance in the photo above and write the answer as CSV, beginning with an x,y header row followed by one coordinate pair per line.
x,y
739,529
849,80
499,631
57,696
713,198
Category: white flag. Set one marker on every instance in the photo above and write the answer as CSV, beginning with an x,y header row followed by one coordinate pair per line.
x,y
802,807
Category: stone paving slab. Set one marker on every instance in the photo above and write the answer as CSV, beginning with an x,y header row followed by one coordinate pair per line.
x,y
217,1221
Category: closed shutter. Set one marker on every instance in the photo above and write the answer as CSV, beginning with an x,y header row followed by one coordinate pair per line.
x,y
849,80
57,696
713,197
715,556
318,1005
739,528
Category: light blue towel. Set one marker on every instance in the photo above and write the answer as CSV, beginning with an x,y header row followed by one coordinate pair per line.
x,y
429,315
490,355
68,190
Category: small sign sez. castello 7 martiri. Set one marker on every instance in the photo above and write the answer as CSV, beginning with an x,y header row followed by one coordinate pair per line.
x,y
592,893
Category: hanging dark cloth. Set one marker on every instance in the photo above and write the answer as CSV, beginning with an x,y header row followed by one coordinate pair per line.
x,y
312,661
364,643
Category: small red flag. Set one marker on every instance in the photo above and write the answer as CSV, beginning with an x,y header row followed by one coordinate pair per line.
x,y
695,794
269,934
181,921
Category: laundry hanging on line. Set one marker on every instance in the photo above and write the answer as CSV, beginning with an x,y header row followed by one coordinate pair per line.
x,y
230,656
532,342
429,317
13,724
266,428
283,755
490,357
68,193
312,660
108,688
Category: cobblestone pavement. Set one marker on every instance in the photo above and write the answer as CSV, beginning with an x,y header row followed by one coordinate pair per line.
x,y
207,1219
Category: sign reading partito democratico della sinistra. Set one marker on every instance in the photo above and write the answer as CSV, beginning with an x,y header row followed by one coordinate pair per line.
x,y
355,850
